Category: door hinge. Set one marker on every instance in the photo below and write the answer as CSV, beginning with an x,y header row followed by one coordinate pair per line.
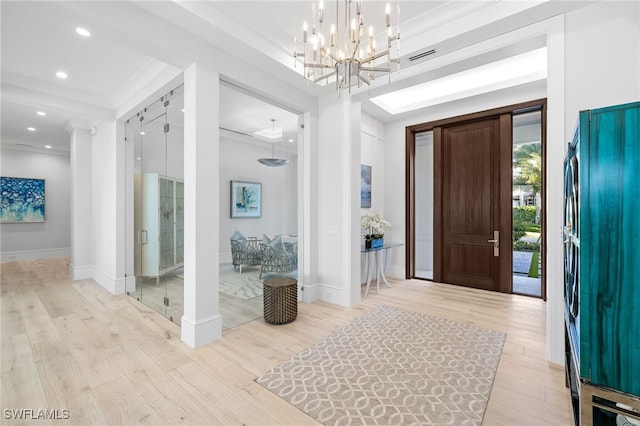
x,y
166,127
166,301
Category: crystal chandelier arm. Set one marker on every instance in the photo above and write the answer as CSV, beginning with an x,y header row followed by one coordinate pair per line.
x,y
356,47
376,56
327,75
314,65
376,69
365,79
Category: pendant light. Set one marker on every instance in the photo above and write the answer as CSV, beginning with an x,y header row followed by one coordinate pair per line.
x,y
273,162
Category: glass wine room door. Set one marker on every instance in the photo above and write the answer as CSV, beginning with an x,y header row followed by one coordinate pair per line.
x,y
157,135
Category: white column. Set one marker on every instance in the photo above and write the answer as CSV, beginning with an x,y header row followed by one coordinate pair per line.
x,y
556,146
201,322
338,197
353,154
80,266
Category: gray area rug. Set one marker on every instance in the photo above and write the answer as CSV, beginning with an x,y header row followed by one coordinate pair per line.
x,y
393,367
245,285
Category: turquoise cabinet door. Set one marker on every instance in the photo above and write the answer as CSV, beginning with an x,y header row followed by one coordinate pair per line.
x,y
610,247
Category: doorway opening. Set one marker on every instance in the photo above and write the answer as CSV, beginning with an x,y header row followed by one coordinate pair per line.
x,y
475,200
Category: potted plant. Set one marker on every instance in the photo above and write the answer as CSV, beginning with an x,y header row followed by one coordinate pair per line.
x,y
373,225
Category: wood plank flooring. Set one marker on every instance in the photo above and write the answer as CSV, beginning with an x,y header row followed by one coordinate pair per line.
x,y
109,360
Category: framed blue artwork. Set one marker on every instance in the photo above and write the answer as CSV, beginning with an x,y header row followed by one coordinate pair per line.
x,y
365,186
246,199
21,200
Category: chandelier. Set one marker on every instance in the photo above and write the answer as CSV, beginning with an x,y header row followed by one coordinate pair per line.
x,y
346,55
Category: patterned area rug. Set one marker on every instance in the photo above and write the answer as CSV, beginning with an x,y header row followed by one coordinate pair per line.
x,y
393,367
245,285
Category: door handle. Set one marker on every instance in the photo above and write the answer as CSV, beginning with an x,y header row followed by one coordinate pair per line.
x,y
496,243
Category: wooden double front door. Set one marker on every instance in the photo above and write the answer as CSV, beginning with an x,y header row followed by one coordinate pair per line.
x,y
472,202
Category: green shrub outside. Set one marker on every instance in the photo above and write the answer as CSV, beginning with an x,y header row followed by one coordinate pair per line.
x,y
518,231
524,220
525,246
524,214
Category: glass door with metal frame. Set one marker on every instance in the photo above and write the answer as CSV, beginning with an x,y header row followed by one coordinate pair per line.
x,y
157,135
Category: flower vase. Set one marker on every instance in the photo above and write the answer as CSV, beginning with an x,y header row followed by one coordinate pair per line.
x,y
375,243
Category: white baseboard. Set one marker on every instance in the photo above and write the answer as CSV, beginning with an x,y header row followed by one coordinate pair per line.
x,y
80,272
110,283
200,332
311,293
17,256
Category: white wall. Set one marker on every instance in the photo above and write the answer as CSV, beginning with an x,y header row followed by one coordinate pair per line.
x,y
39,240
238,161
602,58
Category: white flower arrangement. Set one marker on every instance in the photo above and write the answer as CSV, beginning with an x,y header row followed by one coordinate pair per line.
x,y
374,225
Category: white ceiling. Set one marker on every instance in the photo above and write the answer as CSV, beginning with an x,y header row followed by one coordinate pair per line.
x,y
38,39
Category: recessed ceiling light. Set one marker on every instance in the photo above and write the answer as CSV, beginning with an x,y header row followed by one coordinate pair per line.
x,y
83,32
48,146
142,133
42,113
290,140
31,129
61,74
138,158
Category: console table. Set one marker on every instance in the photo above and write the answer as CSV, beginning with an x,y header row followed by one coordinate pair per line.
x,y
381,257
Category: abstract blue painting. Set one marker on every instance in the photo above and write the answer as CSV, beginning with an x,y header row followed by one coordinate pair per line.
x,y
246,199
21,200
365,186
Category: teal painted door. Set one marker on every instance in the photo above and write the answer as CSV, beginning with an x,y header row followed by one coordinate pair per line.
x,y
610,247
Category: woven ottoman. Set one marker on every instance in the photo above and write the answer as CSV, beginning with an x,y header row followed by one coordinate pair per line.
x,y
280,296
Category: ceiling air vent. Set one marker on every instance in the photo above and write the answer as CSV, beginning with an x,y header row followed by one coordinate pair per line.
x,y
422,55
23,144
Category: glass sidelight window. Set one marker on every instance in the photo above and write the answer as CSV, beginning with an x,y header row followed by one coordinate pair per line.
x,y
424,205
527,203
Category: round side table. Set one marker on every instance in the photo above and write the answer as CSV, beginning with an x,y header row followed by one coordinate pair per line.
x,y
280,296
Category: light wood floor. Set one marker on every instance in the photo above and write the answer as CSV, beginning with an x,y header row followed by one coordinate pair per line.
x,y
110,360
